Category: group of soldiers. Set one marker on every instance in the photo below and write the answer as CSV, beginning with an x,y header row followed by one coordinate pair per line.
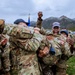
x,y
32,50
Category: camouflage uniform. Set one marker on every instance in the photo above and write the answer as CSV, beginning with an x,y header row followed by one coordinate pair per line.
x,y
64,51
60,53
51,60
4,53
5,62
23,50
61,65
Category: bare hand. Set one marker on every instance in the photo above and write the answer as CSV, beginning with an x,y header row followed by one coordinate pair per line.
x,y
44,52
4,42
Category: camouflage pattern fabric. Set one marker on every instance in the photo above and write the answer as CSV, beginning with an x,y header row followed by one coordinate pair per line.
x,y
64,46
24,63
39,23
43,31
61,51
53,59
26,33
8,28
4,55
61,65
23,52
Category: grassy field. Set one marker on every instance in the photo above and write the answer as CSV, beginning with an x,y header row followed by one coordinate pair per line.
x,y
71,66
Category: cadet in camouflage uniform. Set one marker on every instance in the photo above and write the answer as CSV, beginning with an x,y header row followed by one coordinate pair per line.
x,y
59,53
4,52
25,57
65,48
53,56
23,50
62,50
61,66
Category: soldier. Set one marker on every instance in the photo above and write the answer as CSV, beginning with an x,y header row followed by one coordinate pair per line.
x,y
23,46
65,48
27,48
60,46
23,50
4,52
52,57
59,53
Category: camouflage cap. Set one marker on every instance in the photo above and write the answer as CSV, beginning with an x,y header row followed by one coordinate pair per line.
x,y
49,33
1,25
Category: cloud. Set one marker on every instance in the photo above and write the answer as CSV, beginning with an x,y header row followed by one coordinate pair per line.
x,y
11,10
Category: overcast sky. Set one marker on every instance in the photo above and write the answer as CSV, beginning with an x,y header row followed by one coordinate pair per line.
x,y
10,10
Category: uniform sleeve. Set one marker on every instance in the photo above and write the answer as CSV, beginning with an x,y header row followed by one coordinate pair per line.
x,y
44,43
43,31
39,23
38,41
8,28
34,43
4,48
66,50
6,59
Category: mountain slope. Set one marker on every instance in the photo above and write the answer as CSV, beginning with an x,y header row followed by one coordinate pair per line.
x,y
65,22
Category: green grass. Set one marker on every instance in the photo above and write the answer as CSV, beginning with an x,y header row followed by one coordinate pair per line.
x,y
71,66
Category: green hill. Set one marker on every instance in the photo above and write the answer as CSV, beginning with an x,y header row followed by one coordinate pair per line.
x,y
64,21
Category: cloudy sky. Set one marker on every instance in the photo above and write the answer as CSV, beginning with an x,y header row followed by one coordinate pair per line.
x,y
10,10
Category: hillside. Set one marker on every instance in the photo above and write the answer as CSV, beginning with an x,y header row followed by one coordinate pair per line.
x,y
64,21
